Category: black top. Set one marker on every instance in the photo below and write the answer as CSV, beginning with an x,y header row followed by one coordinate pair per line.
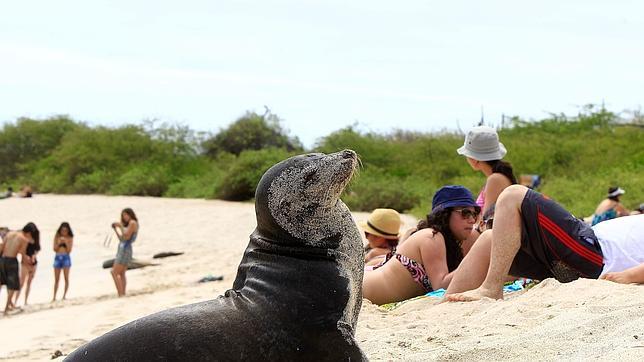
x,y
32,248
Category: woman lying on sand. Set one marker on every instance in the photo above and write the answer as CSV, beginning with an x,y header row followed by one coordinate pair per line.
x,y
426,260
381,231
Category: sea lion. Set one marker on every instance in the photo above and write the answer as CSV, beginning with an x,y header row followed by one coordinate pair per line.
x,y
132,264
297,293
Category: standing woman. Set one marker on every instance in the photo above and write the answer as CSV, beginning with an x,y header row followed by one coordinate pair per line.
x,y
484,153
126,230
28,267
63,244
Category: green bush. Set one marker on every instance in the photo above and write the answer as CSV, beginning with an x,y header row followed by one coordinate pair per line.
x,y
373,190
251,132
201,183
244,172
142,180
29,140
578,158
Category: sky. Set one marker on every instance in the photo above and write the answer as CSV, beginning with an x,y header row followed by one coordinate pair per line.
x,y
318,65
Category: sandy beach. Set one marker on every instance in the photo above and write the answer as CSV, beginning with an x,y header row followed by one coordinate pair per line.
x,y
586,319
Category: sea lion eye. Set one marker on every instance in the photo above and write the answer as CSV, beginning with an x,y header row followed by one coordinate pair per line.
x,y
310,177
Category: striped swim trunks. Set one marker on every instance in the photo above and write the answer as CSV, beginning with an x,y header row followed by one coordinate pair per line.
x,y
554,243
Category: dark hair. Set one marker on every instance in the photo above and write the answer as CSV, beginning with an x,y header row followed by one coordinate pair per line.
x,y
65,224
439,222
504,168
32,229
130,213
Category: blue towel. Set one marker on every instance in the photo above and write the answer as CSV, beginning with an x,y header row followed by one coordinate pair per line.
x,y
514,287
438,293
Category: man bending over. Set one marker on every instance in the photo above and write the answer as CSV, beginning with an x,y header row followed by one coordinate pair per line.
x,y
14,243
535,237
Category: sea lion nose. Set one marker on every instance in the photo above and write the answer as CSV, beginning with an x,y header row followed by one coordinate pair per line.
x,y
348,154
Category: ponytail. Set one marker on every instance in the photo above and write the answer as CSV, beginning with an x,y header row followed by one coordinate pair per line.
x,y
504,168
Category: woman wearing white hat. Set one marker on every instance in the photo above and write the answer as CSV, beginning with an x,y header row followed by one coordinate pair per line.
x,y
484,153
610,207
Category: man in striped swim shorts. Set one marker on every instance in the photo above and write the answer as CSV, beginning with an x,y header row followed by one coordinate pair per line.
x,y
535,237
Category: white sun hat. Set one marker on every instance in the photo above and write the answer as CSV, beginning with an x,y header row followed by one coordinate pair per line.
x,y
482,144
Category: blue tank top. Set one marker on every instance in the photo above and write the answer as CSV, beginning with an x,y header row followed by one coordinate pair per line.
x,y
606,215
128,243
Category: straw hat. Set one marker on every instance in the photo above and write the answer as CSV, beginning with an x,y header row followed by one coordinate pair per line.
x,y
482,144
384,223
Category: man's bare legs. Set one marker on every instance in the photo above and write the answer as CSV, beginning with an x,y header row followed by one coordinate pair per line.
x,y
9,306
473,269
506,241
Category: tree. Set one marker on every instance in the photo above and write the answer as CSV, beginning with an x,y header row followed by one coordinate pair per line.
x,y
29,140
251,132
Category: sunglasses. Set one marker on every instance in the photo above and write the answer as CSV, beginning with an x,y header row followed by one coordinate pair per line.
x,y
488,223
467,213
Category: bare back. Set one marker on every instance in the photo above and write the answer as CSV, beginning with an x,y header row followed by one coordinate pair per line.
x,y
393,282
14,243
605,205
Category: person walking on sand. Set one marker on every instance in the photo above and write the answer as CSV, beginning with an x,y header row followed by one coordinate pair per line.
x,y
126,230
28,266
63,245
535,237
14,243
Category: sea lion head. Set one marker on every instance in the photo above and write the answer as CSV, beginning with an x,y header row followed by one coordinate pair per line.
x,y
297,201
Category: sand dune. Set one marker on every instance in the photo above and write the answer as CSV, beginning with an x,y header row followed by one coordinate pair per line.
x,y
581,320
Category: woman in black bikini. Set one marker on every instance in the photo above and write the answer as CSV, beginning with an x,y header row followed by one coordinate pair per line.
x,y
28,268
63,243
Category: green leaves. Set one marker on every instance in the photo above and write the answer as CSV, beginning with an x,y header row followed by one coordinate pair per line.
x,y
578,158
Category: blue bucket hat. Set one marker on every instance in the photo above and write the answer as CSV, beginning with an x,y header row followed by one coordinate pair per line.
x,y
452,196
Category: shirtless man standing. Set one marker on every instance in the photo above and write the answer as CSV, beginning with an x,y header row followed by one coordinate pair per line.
x,y
14,243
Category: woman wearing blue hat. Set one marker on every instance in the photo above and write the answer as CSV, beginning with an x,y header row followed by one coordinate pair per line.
x,y
426,260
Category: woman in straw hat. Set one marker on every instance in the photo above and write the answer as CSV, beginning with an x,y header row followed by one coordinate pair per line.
x,y
381,231
484,153
610,207
426,260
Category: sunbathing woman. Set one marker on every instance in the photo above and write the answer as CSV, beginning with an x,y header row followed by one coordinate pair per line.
x,y
610,207
381,231
484,153
426,260
63,244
